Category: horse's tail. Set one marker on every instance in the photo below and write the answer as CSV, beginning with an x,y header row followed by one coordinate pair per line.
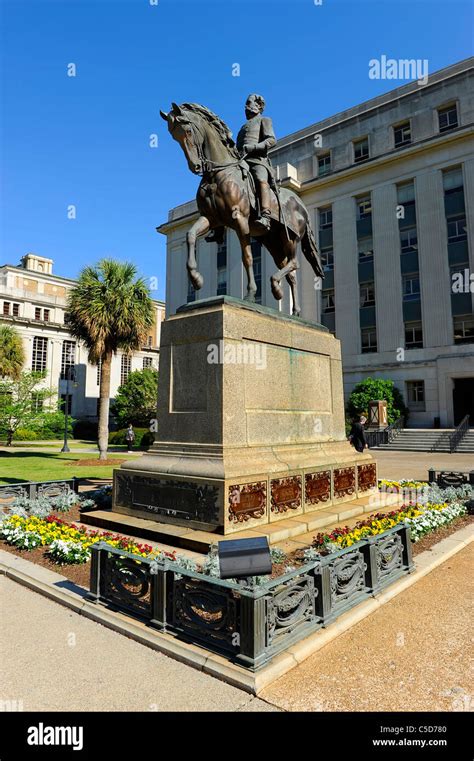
x,y
310,250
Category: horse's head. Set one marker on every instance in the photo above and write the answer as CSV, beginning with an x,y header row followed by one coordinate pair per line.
x,y
183,128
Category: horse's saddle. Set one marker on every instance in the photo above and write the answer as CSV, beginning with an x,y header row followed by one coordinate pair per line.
x,y
280,215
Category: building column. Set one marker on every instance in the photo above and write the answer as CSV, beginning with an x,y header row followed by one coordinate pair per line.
x,y
346,276
433,260
468,176
388,281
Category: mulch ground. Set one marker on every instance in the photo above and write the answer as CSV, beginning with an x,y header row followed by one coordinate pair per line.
x,y
80,574
96,462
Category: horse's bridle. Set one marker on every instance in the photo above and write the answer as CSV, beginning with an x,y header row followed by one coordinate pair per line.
x,y
208,166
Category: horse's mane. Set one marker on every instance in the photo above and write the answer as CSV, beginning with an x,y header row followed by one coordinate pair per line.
x,y
220,126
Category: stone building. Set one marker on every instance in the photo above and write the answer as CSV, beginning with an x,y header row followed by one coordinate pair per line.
x,y
33,300
390,188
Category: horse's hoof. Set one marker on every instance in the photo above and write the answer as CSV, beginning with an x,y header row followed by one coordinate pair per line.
x,y
250,296
276,290
197,281
296,312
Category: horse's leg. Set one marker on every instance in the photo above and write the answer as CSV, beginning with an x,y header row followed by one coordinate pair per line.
x,y
200,227
289,253
292,280
247,259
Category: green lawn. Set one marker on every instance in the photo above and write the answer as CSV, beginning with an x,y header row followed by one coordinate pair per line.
x,y
49,466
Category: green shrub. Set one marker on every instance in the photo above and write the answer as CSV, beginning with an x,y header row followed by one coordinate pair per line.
x,y
376,388
25,434
143,437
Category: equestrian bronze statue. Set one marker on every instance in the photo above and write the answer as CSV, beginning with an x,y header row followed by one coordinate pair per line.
x,y
238,190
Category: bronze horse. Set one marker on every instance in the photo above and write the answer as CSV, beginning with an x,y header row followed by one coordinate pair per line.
x,y
226,198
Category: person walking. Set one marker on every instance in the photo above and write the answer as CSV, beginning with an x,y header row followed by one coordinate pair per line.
x,y
357,435
130,437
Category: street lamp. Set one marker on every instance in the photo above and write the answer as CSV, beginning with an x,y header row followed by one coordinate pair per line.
x,y
70,373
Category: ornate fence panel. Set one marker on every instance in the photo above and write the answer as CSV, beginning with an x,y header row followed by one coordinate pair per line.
x,y
33,489
248,624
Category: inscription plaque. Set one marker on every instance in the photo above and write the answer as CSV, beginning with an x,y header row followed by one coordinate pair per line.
x,y
344,482
247,501
366,476
285,494
185,500
318,487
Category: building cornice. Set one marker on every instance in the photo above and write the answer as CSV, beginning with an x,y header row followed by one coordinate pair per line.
x,y
355,112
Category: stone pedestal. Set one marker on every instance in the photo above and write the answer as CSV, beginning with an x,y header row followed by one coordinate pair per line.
x,y
250,423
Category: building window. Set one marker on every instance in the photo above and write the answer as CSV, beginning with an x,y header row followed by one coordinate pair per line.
x,y
411,287
416,395
367,294
365,249
37,313
149,341
402,134
364,207
68,357
328,304
325,218
222,268
257,267
324,164
457,228
6,308
408,240
452,180
464,329
447,118
99,371
413,335
125,368
37,401
368,337
40,354
191,292
147,362
46,315
16,310
97,409
361,149
327,258
222,282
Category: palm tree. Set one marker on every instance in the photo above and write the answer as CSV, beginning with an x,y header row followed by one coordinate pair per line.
x,y
109,310
12,353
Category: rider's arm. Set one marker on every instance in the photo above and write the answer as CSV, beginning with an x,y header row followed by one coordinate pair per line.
x,y
268,135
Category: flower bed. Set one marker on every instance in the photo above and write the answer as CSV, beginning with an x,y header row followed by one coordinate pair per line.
x,y
420,518
32,531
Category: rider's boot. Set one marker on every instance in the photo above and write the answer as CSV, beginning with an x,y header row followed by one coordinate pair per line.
x,y
263,220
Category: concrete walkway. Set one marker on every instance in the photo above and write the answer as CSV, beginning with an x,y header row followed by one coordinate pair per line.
x,y
414,654
56,660
415,465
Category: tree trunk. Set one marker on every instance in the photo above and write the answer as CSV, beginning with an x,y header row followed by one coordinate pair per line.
x,y
103,431
9,438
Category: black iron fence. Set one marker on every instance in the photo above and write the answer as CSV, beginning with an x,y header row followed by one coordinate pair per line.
x,y
386,435
36,489
248,624
447,478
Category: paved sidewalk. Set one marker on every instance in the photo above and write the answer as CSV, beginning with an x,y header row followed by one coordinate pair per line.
x,y
414,654
415,465
56,660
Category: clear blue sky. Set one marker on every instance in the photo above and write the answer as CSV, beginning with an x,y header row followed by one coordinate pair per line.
x,y
84,140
